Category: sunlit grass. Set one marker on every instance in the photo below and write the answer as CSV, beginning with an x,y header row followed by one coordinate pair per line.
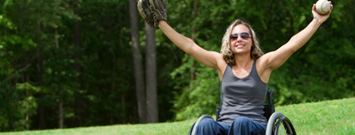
x,y
329,117
321,118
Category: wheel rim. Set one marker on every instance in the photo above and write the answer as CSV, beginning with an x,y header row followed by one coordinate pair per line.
x,y
283,126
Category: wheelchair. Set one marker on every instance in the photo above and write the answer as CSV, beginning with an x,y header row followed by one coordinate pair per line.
x,y
275,120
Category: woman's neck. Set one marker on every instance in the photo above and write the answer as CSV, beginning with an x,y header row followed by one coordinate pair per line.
x,y
243,60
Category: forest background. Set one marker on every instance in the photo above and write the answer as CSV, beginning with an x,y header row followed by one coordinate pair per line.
x,y
75,63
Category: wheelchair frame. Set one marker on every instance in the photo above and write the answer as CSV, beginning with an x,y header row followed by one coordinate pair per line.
x,y
275,119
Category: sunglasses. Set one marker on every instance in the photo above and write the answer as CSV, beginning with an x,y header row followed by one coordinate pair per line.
x,y
243,35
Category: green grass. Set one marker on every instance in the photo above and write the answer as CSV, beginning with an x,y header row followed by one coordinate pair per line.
x,y
336,117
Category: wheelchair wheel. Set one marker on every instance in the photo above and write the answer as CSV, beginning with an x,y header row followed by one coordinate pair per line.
x,y
193,131
285,129
274,125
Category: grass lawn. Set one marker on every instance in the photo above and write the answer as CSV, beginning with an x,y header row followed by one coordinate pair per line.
x,y
335,117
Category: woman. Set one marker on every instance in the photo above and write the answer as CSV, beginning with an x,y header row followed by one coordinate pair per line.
x,y
244,72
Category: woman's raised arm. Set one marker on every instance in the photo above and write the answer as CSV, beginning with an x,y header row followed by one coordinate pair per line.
x,y
275,59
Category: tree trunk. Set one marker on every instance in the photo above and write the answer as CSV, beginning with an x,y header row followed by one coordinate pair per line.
x,y
60,109
137,61
77,43
113,85
151,81
39,67
60,105
28,122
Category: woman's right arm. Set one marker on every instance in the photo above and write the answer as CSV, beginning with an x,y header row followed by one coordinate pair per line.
x,y
207,58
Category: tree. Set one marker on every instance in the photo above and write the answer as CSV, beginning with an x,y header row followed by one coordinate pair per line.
x,y
151,78
79,69
137,61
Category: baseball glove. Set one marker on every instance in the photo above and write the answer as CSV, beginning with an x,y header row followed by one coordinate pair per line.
x,y
152,11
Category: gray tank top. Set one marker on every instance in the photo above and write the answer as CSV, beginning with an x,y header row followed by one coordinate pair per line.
x,y
242,96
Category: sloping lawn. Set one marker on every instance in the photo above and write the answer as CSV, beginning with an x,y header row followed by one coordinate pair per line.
x,y
335,117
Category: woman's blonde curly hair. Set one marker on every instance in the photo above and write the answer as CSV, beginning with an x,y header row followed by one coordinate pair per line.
x,y
226,51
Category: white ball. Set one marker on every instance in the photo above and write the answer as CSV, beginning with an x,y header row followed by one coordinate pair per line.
x,y
322,7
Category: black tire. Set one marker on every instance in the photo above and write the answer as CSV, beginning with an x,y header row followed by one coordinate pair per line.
x,y
286,128
274,128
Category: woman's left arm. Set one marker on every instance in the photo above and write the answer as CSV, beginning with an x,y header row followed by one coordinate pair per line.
x,y
277,58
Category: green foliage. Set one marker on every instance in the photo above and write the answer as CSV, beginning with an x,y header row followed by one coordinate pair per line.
x,y
18,102
41,65
201,98
18,110
323,65
26,106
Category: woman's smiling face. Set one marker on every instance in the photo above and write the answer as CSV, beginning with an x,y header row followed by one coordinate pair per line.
x,y
240,39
